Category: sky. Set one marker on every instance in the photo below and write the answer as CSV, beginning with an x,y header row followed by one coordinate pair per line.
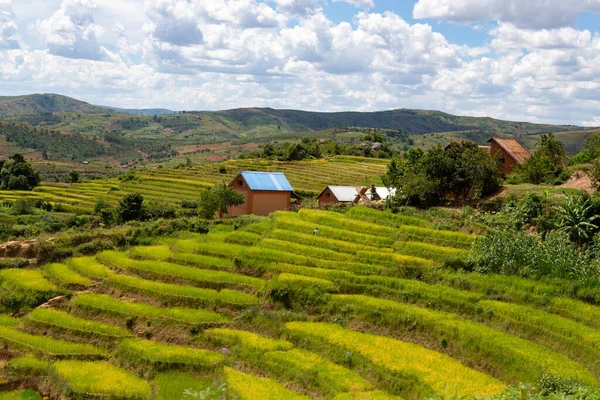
x,y
523,60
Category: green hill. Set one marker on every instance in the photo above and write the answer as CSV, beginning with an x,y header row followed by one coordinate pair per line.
x,y
44,103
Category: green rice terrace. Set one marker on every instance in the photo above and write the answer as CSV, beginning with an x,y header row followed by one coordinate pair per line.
x,y
363,310
175,185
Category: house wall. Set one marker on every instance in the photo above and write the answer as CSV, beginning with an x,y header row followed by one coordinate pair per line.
x,y
509,163
325,200
258,202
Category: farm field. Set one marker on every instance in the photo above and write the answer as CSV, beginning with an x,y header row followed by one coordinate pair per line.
x,y
364,310
175,185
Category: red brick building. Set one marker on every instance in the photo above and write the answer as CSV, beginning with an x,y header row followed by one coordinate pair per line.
x,y
509,152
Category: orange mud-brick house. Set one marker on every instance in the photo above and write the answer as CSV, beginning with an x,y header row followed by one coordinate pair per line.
x,y
264,193
509,152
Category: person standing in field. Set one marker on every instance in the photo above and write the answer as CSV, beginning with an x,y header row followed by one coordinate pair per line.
x,y
316,231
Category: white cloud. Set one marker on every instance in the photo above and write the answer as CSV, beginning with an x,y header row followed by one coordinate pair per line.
x,y
358,3
525,14
593,123
71,31
9,36
508,36
300,8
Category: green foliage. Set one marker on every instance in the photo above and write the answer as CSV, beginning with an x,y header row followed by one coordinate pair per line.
x,y
251,387
73,176
424,178
546,164
218,199
517,253
577,218
18,174
590,151
27,365
130,207
164,356
65,321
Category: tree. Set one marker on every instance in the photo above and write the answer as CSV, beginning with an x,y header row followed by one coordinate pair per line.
x,y
18,174
130,207
217,200
73,176
546,164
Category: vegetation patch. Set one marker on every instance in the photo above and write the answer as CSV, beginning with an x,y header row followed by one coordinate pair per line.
x,y
164,356
433,371
63,320
107,304
79,379
46,346
61,274
25,288
247,340
89,266
251,387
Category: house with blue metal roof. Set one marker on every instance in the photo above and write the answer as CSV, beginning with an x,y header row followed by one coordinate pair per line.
x,y
264,193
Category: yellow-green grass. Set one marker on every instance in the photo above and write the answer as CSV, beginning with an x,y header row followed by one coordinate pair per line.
x,y
291,222
430,251
302,280
65,321
329,377
372,395
300,249
7,320
247,340
27,365
384,218
102,303
519,360
26,279
181,294
45,346
164,253
172,271
20,395
98,379
217,249
321,242
434,373
544,324
62,275
259,228
167,356
258,255
509,288
435,236
172,384
577,310
242,238
390,259
251,387
335,220
89,267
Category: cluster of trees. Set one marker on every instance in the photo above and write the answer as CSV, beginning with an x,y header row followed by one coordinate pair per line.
x,y
18,174
313,148
133,207
546,165
425,179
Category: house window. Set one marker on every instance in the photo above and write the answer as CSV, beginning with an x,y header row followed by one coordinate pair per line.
x,y
503,160
327,194
240,182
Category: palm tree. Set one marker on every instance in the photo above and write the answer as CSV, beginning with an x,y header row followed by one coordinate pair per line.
x,y
576,220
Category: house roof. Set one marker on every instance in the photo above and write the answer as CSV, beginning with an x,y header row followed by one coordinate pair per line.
x,y
382,192
270,181
513,149
342,193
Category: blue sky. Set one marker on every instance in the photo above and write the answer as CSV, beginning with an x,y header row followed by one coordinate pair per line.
x,y
525,60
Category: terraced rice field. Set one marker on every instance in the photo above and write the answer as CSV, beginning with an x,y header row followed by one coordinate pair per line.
x,y
176,185
365,310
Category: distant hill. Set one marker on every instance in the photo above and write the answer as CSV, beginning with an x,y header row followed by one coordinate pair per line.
x,y
45,103
142,111
255,125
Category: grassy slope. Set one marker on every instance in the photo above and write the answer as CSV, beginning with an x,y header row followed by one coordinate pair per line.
x,y
44,103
